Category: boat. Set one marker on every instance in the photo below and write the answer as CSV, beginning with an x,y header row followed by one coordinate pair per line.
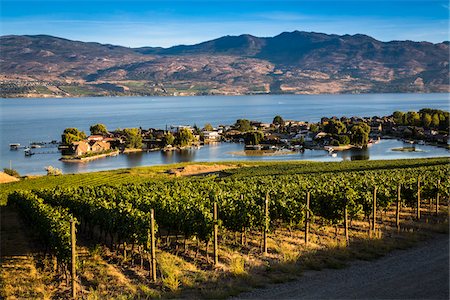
x,y
28,152
14,146
333,154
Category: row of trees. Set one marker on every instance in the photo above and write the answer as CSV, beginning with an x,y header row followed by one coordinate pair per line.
x,y
427,117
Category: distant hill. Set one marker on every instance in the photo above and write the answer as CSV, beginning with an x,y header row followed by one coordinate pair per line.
x,y
291,62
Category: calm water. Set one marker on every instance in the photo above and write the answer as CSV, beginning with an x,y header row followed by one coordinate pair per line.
x,y
26,120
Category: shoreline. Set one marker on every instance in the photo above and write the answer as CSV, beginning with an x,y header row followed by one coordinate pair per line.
x,y
87,159
262,153
212,95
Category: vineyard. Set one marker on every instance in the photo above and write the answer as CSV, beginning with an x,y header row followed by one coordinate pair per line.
x,y
278,213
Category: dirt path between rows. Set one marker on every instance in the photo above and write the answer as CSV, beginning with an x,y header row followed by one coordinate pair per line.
x,y
19,278
418,273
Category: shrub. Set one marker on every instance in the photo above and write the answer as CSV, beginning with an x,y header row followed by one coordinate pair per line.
x,y
11,172
52,171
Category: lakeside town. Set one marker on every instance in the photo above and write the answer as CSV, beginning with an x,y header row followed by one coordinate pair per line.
x,y
279,137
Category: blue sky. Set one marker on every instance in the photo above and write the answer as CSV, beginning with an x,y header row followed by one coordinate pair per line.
x,y
166,23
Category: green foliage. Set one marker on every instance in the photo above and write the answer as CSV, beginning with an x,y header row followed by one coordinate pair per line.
x,y
360,134
314,128
208,127
52,171
71,135
185,206
11,172
184,137
168,139
278,120
344,140
51,223
413,118
133,138
426,120
335,127
99,129
398,117
253,137
426,117
435,121
243,125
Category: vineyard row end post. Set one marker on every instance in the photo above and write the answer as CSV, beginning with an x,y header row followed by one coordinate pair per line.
x,y
308,198
216,230
437,196
397,212
266,219
374,210
346,224
152,243
418,198
74,258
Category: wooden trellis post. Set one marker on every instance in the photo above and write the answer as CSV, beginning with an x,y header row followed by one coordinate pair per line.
x,y
397,212
266,223
308,196
74,258
374,211
346,224
418,198
216,230
437,196
152,244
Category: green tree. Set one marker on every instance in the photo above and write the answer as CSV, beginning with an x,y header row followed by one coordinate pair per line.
x,y
344,139
11,172
243,125
335,127
208,127
360,134
98,129
398,117
184,137
133,138
71,135
413,118
253,137
278,120
168,139
435,121
314,128
426,120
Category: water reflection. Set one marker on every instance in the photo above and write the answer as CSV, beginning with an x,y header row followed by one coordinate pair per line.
x,y
134,159
356,154
183,155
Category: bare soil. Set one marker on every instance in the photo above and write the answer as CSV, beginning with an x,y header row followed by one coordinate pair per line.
x,y
198,169
418,273
5,178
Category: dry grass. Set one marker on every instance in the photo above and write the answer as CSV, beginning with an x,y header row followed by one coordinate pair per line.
x,y
5,178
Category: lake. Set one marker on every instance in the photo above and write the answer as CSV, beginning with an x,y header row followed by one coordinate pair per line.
x,y
26,120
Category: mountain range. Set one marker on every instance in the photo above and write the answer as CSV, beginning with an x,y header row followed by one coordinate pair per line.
x,y
292,62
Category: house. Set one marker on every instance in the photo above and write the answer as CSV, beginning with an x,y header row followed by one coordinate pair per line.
x,y
100,146
177,128
211,136
95,138
79,148
320,135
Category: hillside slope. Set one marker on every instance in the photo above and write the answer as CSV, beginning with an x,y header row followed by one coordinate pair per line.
x,y
291,62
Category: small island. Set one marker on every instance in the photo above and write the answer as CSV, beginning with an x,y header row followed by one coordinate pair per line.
x,y
280,137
